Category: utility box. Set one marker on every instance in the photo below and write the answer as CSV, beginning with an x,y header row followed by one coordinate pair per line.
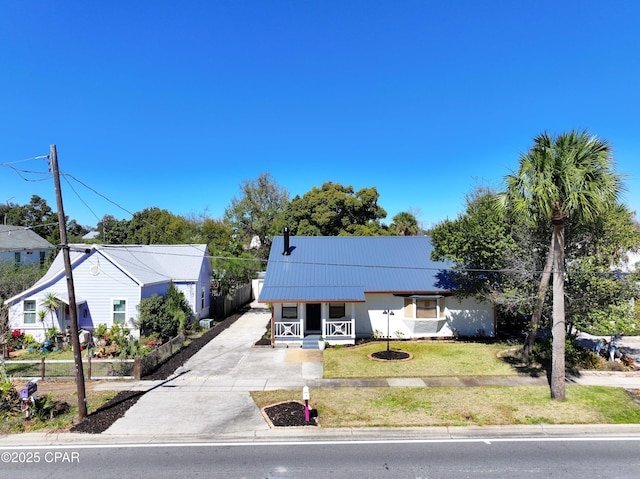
x,y
206,323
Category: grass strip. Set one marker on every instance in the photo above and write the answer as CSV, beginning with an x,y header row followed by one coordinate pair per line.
x,y
455,406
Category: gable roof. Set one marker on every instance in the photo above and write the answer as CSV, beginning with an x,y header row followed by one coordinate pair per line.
x,y
21,238
145,264
344,268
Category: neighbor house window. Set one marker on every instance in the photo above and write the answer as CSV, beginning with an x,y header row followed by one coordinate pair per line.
x,y
290,311
202,291
29,308
336,310
119,310
16,258
43,257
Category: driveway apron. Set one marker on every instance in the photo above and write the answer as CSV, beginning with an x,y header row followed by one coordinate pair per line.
x,y
209,394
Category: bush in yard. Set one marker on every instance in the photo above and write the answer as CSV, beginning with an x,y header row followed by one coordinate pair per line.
x,y
164,316
575,355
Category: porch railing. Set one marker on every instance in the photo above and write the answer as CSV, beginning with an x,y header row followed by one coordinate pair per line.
x,y
288,329
338,328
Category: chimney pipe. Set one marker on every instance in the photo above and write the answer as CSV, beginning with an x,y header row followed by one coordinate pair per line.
x,y
286,241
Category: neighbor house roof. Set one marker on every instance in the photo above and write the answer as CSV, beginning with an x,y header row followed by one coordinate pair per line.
x,y
145,264
21,238
344,268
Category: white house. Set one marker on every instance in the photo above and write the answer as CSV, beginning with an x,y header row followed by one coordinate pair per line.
x,y
346,287
21,246
110,281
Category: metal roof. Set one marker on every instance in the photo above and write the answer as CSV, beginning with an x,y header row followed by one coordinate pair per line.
x,y
145,264
344,268
21,238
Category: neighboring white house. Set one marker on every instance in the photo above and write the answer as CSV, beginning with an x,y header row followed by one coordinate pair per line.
x,y
346,287
109,282
21,246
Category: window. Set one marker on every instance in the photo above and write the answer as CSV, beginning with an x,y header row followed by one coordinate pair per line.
x,y
119,310
16,258
29,308
43,257
290,311
202,291
424,308
336,310
408,308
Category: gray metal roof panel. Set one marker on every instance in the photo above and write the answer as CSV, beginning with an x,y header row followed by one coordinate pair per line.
x,y
21,238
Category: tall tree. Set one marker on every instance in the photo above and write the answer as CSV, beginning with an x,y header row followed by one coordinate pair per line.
x,y
405,224
334,210
258,211
564,177
112,230
157,226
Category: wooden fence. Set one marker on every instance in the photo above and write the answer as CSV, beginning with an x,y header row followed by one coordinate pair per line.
x,y
223,306
149,362
66,368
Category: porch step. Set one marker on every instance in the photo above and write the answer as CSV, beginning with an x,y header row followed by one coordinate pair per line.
x,y
310,341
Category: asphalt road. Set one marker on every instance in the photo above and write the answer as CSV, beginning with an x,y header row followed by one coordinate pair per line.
x,y
566,458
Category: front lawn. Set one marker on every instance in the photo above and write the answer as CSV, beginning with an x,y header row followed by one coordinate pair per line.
x,y
454,406
430,359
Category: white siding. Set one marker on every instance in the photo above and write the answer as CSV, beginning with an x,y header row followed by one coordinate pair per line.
x,y
465,317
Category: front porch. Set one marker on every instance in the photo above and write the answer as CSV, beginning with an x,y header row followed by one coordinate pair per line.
x,y
333,332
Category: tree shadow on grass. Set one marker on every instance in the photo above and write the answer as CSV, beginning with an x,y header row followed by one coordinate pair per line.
x,y
534,369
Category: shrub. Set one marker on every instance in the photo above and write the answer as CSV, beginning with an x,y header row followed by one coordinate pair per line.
x,y
575,355
164,315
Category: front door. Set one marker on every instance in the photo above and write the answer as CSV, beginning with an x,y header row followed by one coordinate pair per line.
x,y
314,317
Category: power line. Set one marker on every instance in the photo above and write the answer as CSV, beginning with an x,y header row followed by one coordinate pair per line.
x,y
97,192
80,198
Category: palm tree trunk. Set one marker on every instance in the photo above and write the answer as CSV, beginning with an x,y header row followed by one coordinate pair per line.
x,y
558,388
537,308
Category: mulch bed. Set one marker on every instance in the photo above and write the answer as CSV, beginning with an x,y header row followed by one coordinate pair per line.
x,y
103,417
390,355
290,414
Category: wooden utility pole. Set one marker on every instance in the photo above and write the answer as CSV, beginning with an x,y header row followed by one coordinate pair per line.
x,y
73,313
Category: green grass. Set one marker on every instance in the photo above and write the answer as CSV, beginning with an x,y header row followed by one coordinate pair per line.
x,y
452,406
430,359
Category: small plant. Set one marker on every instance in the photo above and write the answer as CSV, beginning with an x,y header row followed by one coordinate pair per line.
x,y
100,331
51,334
15,339
399,334
377,334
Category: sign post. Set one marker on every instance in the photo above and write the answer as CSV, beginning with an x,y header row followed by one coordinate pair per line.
x,y
305,397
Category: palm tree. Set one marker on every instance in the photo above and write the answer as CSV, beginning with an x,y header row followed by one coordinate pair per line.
x,y
42,315
568,176
405,224
51,303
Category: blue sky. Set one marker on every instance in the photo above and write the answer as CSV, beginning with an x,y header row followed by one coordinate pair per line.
x,y
174,104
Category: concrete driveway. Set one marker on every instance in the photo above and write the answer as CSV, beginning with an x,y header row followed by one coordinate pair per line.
x,y
209,394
